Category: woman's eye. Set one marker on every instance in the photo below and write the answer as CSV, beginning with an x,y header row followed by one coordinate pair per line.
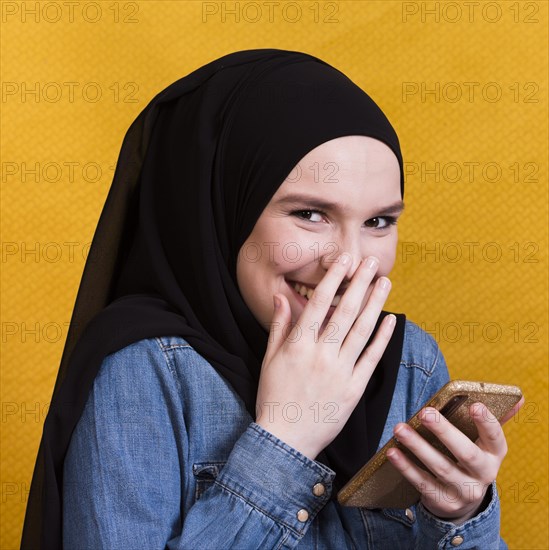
x,y
305,214
381,222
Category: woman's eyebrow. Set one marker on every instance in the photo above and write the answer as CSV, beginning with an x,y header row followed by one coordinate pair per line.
x,y
392,209
295,198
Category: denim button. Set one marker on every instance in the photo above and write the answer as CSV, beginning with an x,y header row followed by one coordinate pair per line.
x,y
319,490
457,540
409,514
303,515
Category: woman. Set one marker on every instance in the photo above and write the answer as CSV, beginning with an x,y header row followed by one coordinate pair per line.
x,y
230,367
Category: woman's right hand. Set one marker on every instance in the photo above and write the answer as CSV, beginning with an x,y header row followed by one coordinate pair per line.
x,y
310,383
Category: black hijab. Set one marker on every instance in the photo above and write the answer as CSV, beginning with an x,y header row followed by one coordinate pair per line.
x,y
196,169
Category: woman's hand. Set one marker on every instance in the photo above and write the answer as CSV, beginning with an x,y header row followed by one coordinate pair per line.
x,y
310,383
453,491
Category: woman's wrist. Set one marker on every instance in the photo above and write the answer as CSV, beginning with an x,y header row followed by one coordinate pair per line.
x,y
459,520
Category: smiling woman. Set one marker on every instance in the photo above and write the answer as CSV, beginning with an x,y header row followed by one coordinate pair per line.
x,y
230,366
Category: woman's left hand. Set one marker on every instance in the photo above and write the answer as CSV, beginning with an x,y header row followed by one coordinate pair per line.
x,y
453,491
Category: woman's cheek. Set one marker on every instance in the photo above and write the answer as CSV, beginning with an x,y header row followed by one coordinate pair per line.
x,y
290,251
385,250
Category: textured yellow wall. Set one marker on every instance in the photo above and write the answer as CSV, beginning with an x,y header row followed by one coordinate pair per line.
x,y
465,84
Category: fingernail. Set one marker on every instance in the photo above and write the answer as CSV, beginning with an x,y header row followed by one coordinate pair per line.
x,y
429,414
345,259
478,409
391,320
372,262
402,430
384,283
276,302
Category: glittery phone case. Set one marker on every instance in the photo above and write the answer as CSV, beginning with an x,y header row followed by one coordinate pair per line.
x,y
379,485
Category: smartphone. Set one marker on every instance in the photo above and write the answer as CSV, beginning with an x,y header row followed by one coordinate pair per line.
x,y
378,484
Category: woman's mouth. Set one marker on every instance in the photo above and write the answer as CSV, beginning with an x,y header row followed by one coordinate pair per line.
x,y
303,294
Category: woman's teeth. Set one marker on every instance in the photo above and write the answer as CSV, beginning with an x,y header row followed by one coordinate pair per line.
x,y
307,292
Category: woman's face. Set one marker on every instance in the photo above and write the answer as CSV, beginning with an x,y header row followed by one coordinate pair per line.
x,y
350,200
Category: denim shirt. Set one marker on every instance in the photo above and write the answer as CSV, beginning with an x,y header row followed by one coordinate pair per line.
x,y
166,455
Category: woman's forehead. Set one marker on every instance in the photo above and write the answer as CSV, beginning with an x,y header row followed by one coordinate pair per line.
x,y
352,149
344,164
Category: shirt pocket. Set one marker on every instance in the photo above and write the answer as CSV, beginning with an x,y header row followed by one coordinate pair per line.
x,y
389,528
205,474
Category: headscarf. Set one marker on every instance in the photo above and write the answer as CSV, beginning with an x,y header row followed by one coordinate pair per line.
x,y
196,169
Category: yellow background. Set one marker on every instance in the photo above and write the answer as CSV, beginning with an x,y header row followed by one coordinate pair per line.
x,y
488,313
